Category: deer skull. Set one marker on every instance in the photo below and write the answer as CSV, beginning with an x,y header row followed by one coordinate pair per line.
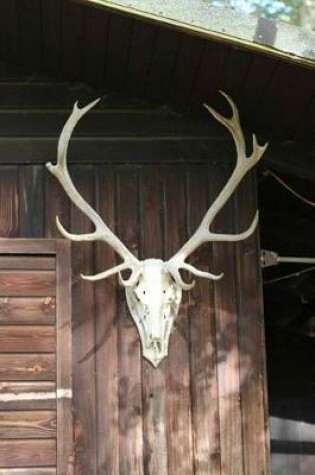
x,y
153,303
154,288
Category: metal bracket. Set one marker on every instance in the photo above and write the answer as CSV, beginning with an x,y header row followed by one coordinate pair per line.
x,y
271,258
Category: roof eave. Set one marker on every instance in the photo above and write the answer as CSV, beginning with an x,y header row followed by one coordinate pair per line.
x,y
292,43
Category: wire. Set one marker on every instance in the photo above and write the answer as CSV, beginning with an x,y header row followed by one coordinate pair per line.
x,y
287,187
288,276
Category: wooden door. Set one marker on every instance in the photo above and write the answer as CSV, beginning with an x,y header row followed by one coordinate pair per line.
x,y
35,358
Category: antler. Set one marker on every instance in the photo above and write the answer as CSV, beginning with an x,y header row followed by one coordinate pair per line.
x,y
102,232
203,234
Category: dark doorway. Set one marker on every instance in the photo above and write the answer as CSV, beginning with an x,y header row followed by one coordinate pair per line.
x,y
288,228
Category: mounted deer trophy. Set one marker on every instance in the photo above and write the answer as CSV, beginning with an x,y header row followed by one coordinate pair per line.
x,y
154,288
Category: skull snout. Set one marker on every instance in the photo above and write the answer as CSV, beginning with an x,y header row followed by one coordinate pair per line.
x,y
156,325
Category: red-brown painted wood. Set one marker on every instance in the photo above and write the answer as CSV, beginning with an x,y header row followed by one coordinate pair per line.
x,y
65,429
27,367
153,379
27,453
27,262
130,394
27,424
83,331
29,471
22,388
27,283
27,310
226,315
164,420
9,199
252,368
203,350
27,338
178,420
106,343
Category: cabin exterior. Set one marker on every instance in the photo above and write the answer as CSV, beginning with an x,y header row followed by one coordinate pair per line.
x,y
76,396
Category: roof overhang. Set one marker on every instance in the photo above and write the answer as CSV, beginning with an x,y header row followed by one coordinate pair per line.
x,y
293,43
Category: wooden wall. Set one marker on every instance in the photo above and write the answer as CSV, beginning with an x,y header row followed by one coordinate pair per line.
x,y
152,175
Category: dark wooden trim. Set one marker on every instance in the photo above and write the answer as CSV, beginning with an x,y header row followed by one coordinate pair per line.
x,y
117,150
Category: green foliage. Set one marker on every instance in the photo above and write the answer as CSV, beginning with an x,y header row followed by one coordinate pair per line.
x,y
283,10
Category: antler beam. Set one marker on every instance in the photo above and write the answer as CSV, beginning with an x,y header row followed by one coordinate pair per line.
x,y
203,233
102,232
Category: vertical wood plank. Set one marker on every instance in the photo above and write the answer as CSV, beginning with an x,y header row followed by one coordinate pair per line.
x,y
234,71
163,60
29,21
95,45
275,115
260,73
83,330
107,409
207,79
119,33
307,124
9,199
51,36
251,338
56,204
141,44
153,379
65,433
130,394
73,36
179,430
204,383
9,31
227,335
189,59
31,192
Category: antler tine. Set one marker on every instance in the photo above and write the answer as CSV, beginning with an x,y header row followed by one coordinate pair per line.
x,y
203,234
101,232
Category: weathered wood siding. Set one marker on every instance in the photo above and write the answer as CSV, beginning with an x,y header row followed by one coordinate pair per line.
x,y
36,422
152,175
